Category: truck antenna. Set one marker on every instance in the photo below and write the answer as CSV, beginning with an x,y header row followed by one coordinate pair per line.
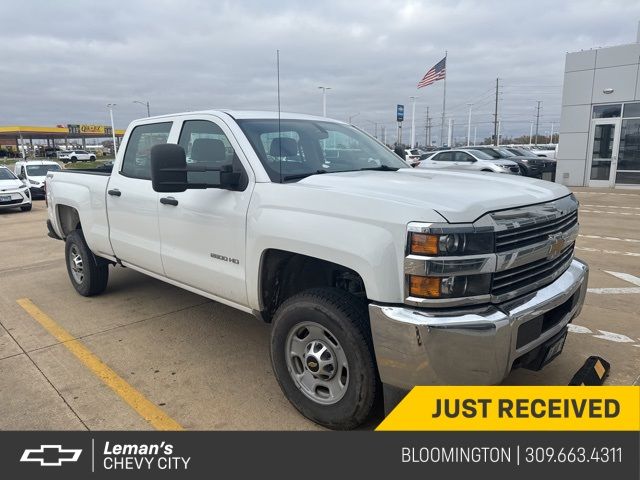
x,y
279,133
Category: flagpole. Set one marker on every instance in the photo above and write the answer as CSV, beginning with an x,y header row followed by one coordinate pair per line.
x,y
444,101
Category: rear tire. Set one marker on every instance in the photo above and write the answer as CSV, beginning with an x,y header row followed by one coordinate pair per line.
x,y
26,208
322,356
87,276
74,159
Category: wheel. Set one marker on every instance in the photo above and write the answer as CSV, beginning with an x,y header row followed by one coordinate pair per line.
x,y
523,171
92,158
87,276
322,356
74,159
26,208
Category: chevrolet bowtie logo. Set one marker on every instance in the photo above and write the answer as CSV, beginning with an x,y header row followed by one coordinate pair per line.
x,y
50,455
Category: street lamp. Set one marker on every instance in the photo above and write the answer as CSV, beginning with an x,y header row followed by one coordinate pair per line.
x,y
324,100
144,104
353,116
113,128
375,125
470,105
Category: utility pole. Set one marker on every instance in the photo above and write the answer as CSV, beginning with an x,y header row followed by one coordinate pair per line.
x,y
113,128
413,121
499,128
469,125
495,115
551,135
426,129
530,132
475,132
450,136
537,121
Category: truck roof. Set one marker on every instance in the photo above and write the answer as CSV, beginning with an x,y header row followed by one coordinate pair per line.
x,y
252,114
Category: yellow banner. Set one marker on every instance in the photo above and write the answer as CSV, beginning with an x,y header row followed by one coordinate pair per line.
x,y
517,408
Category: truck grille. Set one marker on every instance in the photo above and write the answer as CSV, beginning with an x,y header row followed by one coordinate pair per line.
x,y
531,234
519,278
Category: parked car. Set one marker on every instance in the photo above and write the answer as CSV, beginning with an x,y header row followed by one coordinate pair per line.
x,y
548,151
375,277
545,163
13,192
468,159
529,167
412,156
33,172
76,156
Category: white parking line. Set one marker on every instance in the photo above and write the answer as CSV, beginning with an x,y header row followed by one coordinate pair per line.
x,y
610,206
582,210
608,252
609,193
614,291
627,277
615,239
603,335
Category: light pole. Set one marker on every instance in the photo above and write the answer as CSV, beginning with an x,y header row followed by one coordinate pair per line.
x,y
144,104
324,100
113,129
413,121
351,117
469,125
375,126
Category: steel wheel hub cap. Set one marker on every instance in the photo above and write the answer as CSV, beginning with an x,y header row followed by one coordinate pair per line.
x,y
317,363
76,264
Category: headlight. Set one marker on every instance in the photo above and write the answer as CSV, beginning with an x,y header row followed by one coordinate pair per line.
x,y
449,287
33,182
450,243
524,160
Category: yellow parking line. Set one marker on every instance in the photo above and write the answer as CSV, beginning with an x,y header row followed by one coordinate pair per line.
x,y
144,407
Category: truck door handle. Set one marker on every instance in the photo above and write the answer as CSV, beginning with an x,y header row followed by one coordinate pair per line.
x,y
169,201
114,192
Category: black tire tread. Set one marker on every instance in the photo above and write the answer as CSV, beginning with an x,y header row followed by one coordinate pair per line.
x,y
96,276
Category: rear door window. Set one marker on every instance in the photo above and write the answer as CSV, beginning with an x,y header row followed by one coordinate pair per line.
x,y
137,156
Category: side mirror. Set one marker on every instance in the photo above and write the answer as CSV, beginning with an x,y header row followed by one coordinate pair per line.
x,y
168,168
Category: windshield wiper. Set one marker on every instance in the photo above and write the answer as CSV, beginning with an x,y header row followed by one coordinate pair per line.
x,y
298,176
381,168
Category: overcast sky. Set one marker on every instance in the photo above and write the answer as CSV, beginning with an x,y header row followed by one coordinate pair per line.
x,y
62,62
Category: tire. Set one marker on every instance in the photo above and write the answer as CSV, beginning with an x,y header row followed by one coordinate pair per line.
x,y
334,319
91,278
74,159
92,158
523,171
26,208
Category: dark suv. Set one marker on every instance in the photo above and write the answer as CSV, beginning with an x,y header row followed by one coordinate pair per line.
x,y
530,166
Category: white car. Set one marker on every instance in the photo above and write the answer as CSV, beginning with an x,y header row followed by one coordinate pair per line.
x,y
469,159
77,156
13,192
412,156
33,172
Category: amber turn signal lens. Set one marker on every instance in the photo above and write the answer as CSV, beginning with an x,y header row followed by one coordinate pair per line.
x,y
423,244
425,287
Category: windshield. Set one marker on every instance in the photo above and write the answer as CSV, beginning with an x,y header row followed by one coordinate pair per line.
x,y
505,152
41,170
308,147
6,174
480,155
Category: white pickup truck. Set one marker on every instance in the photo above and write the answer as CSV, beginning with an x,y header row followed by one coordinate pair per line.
x,y
375,277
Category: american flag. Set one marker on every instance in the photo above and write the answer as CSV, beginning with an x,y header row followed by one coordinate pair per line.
x,y
435,73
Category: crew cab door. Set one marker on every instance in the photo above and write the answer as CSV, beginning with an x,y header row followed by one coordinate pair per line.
x,y
203,230
132,204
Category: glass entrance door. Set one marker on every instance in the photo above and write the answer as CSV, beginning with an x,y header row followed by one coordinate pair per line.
x,y
603,154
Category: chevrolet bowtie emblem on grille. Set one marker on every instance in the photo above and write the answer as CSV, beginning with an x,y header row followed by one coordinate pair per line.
x,y
556,247
50,455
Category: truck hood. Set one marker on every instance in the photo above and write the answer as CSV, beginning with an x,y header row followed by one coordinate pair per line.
x,y
455,195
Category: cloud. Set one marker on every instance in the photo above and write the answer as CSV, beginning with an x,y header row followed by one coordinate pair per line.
x,y
63,61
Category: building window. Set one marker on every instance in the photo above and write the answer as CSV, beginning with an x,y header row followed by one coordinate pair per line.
x,y
631,110
607,111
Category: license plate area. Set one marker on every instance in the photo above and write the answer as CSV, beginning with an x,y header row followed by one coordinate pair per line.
x,y
5,198
543,354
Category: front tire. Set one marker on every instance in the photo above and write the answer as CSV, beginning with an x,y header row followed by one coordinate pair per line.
x,y
26,208
74,159
92,158
322,356
87,276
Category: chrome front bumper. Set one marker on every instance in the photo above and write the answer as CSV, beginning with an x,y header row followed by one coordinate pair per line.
x,y
469,346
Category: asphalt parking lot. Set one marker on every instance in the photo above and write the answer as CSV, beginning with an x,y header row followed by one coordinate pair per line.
x,y
205,365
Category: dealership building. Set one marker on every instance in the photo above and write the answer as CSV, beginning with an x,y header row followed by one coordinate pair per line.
x,y
599,142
